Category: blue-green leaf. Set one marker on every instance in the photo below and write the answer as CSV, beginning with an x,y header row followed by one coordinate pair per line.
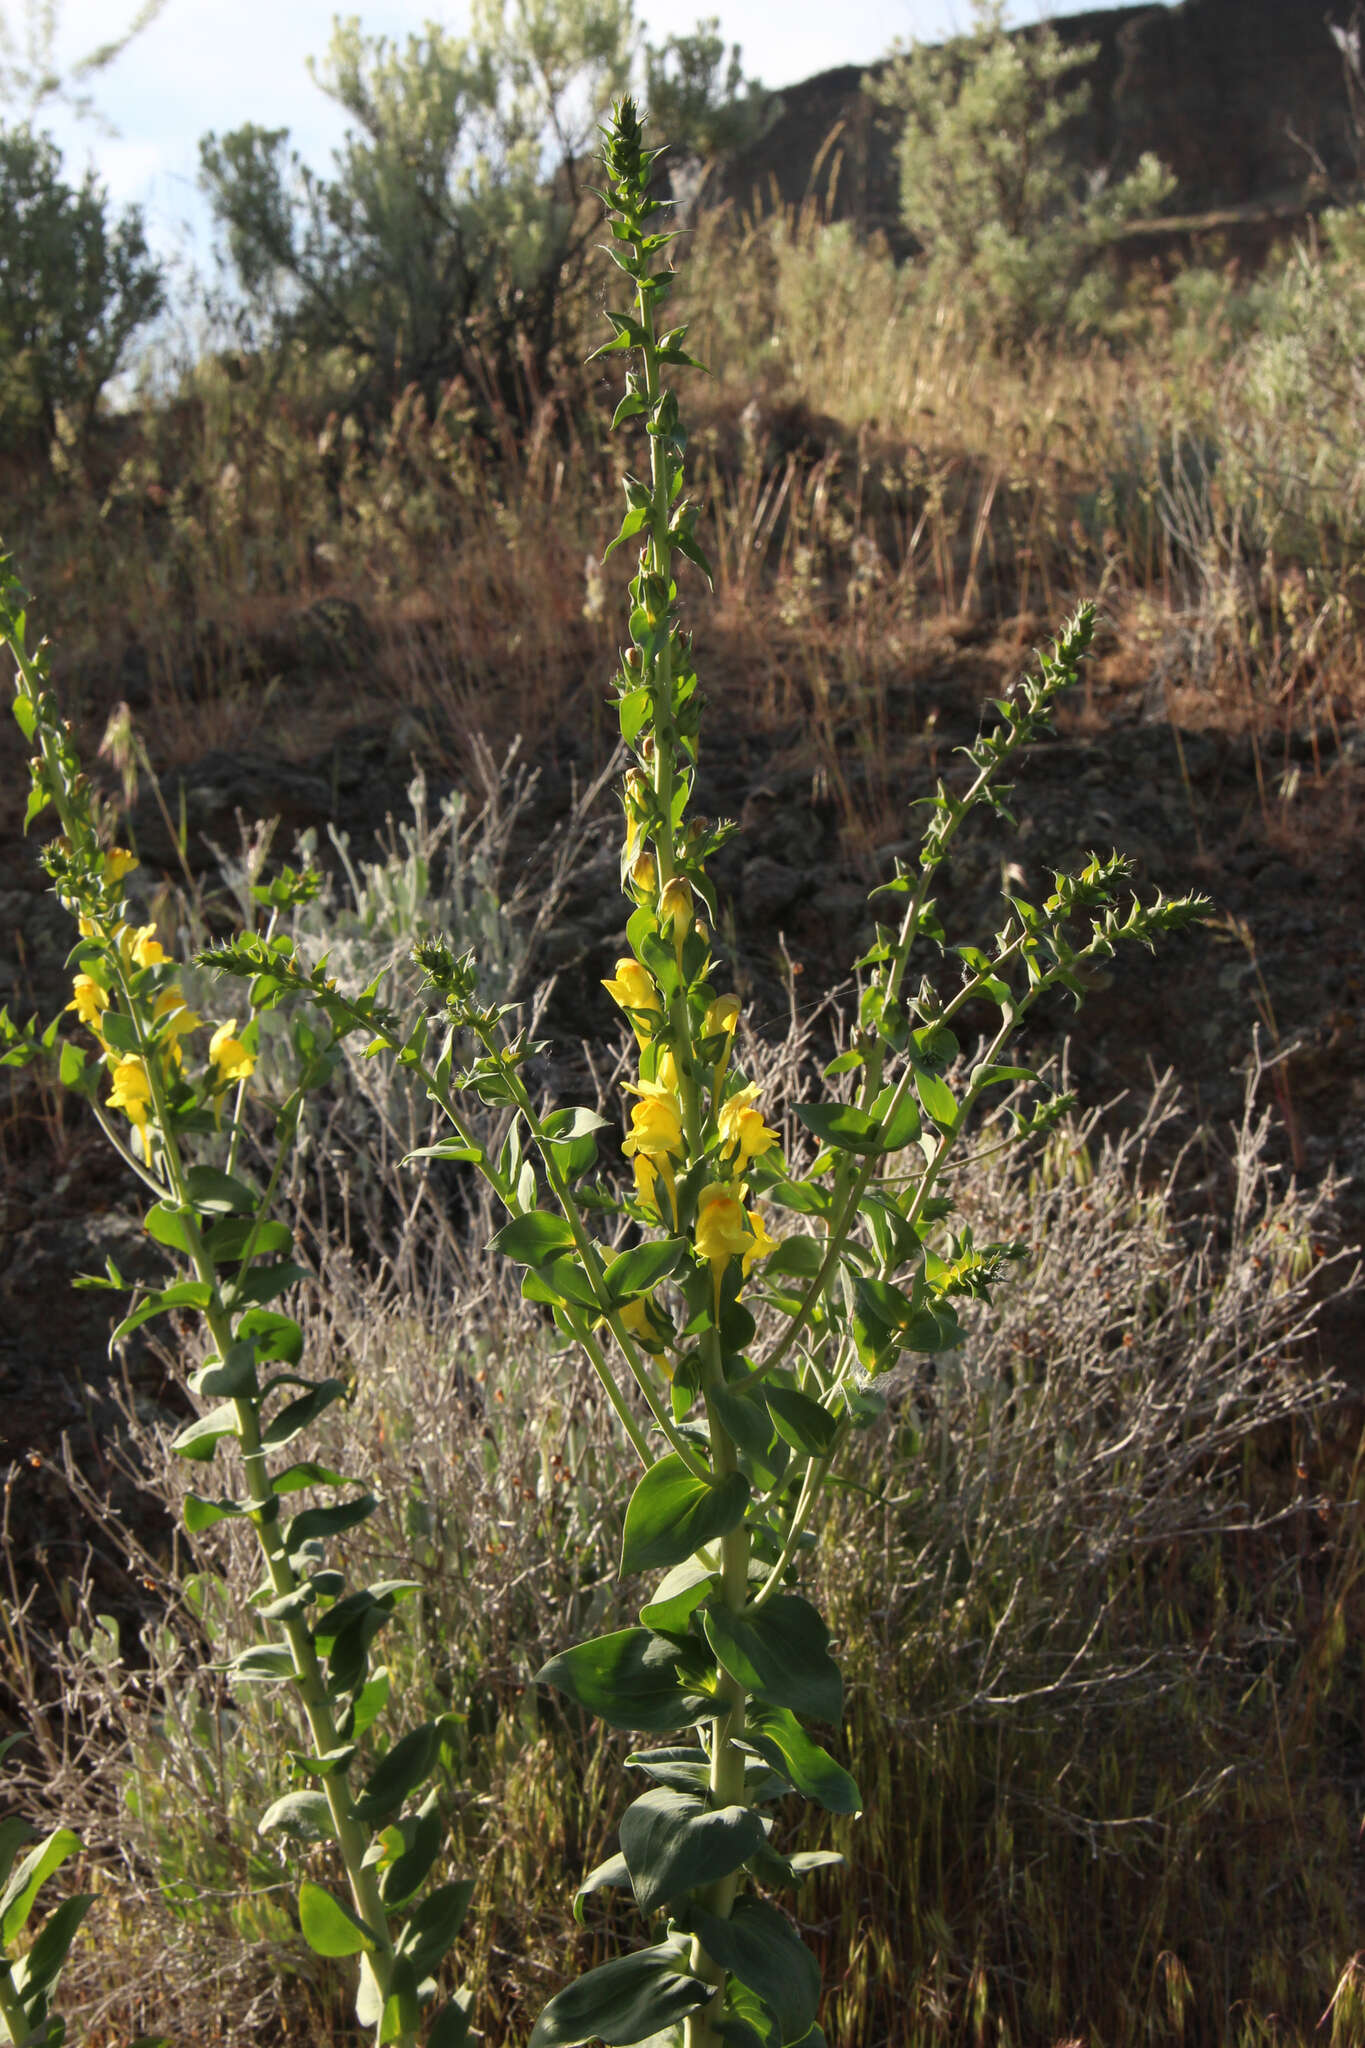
x,y
623,2001
777,1734
672,1513
629,1679
532,1239
330,1927
674,1841
780,1653
839,1123
760,1946
807,1426
643,1266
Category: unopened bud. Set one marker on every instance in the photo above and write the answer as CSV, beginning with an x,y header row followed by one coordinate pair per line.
x,y
675,907
644,874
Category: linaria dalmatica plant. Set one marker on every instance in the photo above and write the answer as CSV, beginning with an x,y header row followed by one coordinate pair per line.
x,y
176,1120
739,1359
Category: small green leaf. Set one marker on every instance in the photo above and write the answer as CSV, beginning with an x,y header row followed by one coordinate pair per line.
x,y
262,1284
16,1901
450,2028
316,1523
613,1875
532,1239
777,1734
219,1193
434,1926
643,1266
629,1679
624,2000
399,1772
672,1513
674,1841
799,1255
202,1514
678,1594
303,1816
780,1653
841,1124
760,1946
277,1339
263,1666
295,1416
937,1097
37,1972
806,1426
197,1441
330,1927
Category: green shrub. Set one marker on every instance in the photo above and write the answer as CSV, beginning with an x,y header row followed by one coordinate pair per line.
x,y
1010,226
76,284
453,230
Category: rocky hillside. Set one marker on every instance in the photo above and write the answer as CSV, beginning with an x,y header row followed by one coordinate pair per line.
x,y
1244,99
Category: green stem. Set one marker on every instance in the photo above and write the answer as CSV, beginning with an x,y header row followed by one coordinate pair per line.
x,y
592,1266
727,1758
11,2007
309,1683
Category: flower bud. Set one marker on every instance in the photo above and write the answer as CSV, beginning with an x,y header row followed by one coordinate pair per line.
x,y
675,908
644,874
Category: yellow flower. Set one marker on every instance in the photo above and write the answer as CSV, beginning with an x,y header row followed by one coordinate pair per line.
x,y
174,1017
640,1318
143,946
655,1124
742,1129
721,1015
675,908
132,1091
666,1071
229,1055
644,874
722,1232
633,988
647,1183
89,1001
762,1244
118,862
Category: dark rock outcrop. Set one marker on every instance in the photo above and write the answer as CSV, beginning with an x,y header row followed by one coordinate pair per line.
x,y
1243,99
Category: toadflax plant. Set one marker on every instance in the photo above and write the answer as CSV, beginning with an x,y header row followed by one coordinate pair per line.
x,y
738,1310
168,1087
738,1307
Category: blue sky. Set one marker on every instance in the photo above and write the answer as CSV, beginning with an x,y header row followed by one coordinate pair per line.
x,y
212,64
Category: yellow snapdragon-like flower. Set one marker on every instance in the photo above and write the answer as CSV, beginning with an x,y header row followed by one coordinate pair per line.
x,y
172,1018
632,986
132,1091
722,1232
229,1055
742,1129
721,1015
666,1071
118,862
762,1244
642,1320
142,946
89,1001
654,1141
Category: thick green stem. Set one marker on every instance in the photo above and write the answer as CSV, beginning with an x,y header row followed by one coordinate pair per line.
x,y
11,2007
308,1680
727,1727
